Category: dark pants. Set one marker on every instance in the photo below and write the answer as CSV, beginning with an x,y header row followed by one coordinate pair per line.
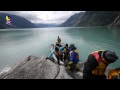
x,y
59,58
65,56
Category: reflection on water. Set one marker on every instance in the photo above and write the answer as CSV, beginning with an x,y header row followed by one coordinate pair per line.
x,y
19,43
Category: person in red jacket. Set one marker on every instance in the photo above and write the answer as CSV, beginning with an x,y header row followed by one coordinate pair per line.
x,y
95,66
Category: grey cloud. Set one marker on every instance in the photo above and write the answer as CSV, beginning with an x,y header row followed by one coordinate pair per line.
x,y
31,17
56,16
11,12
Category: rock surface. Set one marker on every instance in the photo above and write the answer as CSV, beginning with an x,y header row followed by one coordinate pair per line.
x,y
36,68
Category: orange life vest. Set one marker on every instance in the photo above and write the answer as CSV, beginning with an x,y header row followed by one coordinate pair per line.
x,y
114,74
100,69
59,40
65,50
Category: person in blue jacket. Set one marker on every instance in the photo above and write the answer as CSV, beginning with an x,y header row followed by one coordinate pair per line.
x,y
73,58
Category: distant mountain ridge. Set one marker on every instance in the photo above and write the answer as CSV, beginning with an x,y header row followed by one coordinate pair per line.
x,y
98,18
17,22
88,18
92,18
41,25
72,20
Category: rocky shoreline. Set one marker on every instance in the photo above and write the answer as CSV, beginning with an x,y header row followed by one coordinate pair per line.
x,y
33,67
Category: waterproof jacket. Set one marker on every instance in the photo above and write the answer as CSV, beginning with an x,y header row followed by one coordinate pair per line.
x,y
90,65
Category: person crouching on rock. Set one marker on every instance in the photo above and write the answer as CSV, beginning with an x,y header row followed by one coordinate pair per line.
x,y
74,59
96,64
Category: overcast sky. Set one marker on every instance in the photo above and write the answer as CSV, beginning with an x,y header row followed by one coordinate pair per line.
x,y
57,17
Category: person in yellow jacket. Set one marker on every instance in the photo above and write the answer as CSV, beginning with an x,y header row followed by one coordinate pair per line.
x,y
59,41
95,65
114,73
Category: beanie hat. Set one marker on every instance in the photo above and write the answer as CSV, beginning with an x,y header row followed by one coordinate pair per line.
x,y
110,56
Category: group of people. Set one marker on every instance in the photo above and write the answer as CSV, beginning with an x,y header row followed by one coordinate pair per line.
x,y
95,65
66,53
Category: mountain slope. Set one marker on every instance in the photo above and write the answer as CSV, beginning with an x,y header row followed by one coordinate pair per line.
x,y
116,23
17,21
91,18
2,25
97,18
72,20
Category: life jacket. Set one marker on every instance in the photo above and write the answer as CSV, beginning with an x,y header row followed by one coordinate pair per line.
x,y
77,56
59,40
114,74
65,50
100,69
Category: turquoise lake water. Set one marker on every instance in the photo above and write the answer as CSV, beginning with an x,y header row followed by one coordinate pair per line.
x,y
16,44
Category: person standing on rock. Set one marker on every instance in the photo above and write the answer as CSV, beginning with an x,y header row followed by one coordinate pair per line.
x,y
58,52
59,41
96,64
65,52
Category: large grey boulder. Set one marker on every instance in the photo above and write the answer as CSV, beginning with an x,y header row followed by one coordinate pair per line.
x,y
36,68
32,68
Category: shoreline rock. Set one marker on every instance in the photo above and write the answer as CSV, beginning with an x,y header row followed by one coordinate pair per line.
x,y
33,67
36,68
